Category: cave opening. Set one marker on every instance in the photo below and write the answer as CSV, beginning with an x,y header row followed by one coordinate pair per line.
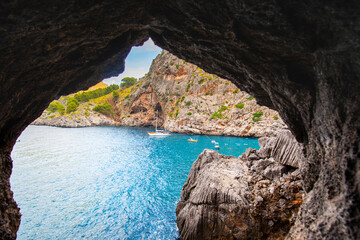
x,y
298,58
59,175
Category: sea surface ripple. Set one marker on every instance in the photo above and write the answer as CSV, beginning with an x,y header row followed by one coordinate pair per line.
x,y
104,182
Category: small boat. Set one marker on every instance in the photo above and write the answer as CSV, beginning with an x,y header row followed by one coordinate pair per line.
x,y
213,141
217,146
192,140
159,132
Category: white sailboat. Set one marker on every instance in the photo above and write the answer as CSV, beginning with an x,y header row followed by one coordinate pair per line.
x,y
158,132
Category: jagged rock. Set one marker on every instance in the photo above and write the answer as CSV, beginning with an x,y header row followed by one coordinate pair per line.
x,y
297,57
223,199
76,121
274,170
287,150
239,198
176,88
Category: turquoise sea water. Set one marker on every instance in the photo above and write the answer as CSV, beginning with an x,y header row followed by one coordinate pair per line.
x,y
104,182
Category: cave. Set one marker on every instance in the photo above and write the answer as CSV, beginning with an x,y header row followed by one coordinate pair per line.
x,y
300,58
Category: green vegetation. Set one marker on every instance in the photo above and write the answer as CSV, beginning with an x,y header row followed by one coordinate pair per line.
x,y
276,117
87,95
177,102
188,103
189,113
177,113
177,66
209,93
236,91
71,105
115,95
240,105
182,98
56,106
188,87
218,113
256,116
127,82
201,81
250,98
105,108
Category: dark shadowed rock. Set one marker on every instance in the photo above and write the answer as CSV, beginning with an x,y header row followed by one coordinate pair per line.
x,y
224,198
240,198
300,58
287,150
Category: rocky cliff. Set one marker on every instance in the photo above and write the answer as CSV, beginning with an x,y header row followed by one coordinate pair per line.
x,y
300,58
83,115
183,98
254,196
187,99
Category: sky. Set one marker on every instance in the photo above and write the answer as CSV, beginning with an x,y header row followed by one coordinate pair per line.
x,y
137,62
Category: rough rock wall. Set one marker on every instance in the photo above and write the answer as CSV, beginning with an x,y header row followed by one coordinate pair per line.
x,y
250,197
186,100
9,211
297,57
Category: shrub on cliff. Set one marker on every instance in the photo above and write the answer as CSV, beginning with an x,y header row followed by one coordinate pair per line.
x,y
71,106
127,82
56,106
87,95
240,105
115,95
218,113
105,108
256,116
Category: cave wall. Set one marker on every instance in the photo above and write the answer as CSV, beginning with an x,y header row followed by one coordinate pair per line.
x,y
300,58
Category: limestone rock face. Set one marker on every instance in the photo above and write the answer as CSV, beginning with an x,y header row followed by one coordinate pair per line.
x,y
249,197
67,121
187,99
287,150
297,57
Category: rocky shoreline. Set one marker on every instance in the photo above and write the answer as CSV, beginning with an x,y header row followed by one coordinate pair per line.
x,y
183,98
254,196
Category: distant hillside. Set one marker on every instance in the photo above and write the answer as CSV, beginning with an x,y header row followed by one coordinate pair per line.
x,y
97,86
180,95
189,100
81,109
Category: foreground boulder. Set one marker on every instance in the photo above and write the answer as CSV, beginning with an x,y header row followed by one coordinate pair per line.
x,y
300,58
249,197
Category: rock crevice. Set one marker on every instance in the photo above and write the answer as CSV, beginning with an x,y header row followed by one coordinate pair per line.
x,y
250,197
297,57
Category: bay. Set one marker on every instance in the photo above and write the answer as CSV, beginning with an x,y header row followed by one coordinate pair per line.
x,y
105,182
